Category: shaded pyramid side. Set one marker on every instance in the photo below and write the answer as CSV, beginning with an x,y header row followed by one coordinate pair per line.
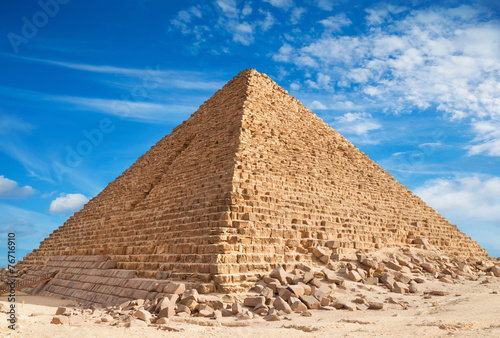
x,y
160,217
299,184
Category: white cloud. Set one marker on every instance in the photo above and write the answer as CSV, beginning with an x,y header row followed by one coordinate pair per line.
x,y
443,58
487,140
297,14
335,23
326,5
317,105
357,124
267,22
475,197
285,4
11,190
67,203
228,7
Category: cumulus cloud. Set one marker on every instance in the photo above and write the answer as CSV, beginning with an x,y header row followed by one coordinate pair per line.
x,y
67,203
442,58
475,197
10,189
335,23
317,105
326,5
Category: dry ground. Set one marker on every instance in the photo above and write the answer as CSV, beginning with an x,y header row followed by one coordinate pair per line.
x,y
472,309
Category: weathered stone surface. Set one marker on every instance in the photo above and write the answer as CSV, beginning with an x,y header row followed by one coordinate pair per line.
x,y
298,306
143,315
280,274
310,301
354,275
167,311
62,310
281,305
375,305
59,319
175,288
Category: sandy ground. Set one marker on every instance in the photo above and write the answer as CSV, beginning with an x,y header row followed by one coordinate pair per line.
x,y
472,309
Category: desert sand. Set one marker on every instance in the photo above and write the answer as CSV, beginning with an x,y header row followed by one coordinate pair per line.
x,y
472,309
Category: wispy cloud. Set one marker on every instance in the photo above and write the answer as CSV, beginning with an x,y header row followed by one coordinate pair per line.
x,y
12,123
358,125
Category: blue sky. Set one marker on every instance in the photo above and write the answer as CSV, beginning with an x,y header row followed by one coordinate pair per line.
x,y
86,87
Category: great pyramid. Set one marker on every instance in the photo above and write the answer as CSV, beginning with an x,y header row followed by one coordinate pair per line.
x,y
250,181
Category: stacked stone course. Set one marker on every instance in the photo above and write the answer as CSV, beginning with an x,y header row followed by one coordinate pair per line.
x,y
250,181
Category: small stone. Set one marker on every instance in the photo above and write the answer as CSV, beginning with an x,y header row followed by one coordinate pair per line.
x,y
428,267
319,252
354,275
393,266
237,308
205,311
306,314
106,319
162,320
267,293
189,295
298,306
375,305
439,293
272,318
281,305
298,290
142,315
175,288
280,274
62,310
310,301
167,311
60,320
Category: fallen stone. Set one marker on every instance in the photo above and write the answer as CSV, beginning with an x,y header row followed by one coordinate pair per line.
x,y
319,252
281,305
189,295
205,311
142,315
59,319
236,308
310,301
428,267
62,310
162,320
175,288
354,275
267,293
298,306
375,305
280,274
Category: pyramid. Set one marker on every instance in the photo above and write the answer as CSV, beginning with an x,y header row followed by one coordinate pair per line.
x,y
251,180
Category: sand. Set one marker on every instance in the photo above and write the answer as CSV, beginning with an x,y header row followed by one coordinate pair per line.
x,y
472,309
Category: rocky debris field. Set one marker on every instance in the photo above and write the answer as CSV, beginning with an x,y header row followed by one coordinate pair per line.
x,y
352,283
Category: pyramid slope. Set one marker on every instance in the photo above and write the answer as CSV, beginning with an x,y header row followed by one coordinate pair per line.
x,y
160,214
253,179
299,184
